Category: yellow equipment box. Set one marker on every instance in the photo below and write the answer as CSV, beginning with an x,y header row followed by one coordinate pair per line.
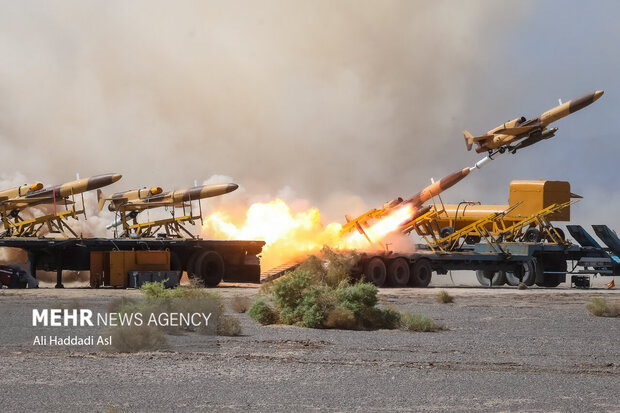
x,y
111,268
535,196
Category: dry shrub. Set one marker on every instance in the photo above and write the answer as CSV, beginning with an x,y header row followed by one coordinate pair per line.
x,y
188,299
522,286
339,266
228,326
444,297
375,318
315,266
333,270
131,339
599,307
240,304
340,318
418,322
265,288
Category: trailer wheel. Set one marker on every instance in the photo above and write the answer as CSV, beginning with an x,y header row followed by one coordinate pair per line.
x,y
531,235
210,267
375,272
491,278
190,266
526,274
398,273
472,239
446,231
175,262
422,273
560,233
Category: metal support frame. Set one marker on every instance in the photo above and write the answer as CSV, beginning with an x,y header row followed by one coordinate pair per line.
x,y
55,223
173,227
492,228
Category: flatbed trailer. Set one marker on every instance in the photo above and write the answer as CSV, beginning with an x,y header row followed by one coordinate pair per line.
x,y
210,260
518,262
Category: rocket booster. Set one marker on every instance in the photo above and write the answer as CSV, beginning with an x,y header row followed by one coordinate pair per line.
x,y
430,191
437,187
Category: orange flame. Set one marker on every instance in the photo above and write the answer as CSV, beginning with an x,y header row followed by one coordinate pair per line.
x,y
290,235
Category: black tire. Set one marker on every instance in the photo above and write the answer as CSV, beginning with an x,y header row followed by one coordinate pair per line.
x,y
398,273
421,274
210,267
175,262
491,278
560,233
446,231
190,266
531,235
472,239
375,271
526,275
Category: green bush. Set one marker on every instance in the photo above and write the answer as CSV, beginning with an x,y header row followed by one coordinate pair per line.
x,y
358,296
155,290
314,306
417,322
321,296
289,290
262,312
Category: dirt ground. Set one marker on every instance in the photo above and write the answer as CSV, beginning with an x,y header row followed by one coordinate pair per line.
x,y
502,349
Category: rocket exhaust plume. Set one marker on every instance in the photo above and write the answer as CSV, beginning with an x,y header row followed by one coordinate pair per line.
x,y
293,235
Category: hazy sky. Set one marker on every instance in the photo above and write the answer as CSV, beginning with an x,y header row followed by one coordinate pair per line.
x,y
344,104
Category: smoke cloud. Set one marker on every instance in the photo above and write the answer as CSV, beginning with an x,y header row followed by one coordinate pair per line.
x,y
337,105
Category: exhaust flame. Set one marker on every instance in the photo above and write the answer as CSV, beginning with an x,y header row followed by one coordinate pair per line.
x,y
289,235
380,229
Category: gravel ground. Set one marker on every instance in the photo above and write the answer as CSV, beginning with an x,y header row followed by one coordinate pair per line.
x,y
503,349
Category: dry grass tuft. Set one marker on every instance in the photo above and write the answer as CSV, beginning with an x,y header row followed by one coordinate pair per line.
x,y
417,322
240,304
131,339
228,326
599,307
444,297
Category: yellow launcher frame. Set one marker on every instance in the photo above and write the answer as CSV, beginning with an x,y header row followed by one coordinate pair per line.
x,y
500,232
174,227
55,223
540,218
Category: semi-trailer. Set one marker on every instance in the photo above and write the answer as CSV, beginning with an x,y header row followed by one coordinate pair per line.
x,y
541,263
208,260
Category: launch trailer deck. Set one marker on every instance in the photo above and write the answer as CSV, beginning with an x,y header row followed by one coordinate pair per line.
x,y
210,260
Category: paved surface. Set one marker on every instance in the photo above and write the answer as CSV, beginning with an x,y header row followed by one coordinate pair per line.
x,y
503,350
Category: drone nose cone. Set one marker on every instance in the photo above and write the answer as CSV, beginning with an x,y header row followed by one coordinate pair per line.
x,y
116,177
231,187
597,95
